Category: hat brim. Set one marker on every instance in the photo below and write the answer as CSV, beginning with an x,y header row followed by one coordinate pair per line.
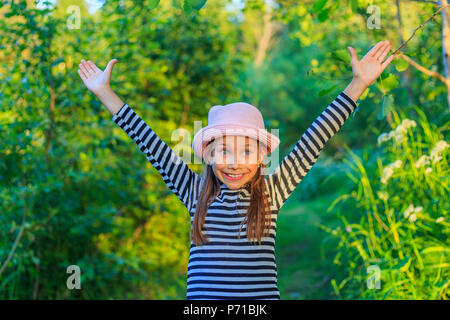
x,y
206,134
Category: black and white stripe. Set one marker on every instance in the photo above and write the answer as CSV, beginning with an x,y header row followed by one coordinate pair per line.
x,y
229,267
300,160
174,171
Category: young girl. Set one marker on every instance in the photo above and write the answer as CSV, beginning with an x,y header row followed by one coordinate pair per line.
x,y
233,206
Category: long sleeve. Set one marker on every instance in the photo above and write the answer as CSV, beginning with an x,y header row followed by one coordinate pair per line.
x,y
294,166
178,177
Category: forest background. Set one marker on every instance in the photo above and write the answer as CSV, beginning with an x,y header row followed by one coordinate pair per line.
x,y
369,221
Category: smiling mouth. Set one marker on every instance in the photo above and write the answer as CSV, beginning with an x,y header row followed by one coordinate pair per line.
x,y
234,177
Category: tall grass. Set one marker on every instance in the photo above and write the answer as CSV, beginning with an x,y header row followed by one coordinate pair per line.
x,y
393,231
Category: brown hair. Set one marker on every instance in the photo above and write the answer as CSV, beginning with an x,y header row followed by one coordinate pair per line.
x,y
257,219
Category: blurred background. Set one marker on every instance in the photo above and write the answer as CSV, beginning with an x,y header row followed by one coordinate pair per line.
x,y
369,221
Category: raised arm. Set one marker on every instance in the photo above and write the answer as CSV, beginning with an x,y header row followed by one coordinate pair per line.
x,y
299,161
295,165
174,171
176,174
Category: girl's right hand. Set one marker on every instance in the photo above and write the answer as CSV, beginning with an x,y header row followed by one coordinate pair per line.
x,y
96,80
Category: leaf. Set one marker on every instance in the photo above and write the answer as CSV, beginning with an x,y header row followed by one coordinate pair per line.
x,y
195,4
435,249
442,284
152,4
386,106
353,113
404,264
389,83
325,91
384,75
318,5
323,15
342,55
354,6
57,61
187,6
400,64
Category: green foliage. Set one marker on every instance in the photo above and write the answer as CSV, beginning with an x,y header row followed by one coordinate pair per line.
x,y
194,4
90,201
89,197
388,83
152,4
396,217
387,104
400,64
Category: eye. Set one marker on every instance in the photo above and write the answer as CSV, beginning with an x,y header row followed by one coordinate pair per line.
x,y
247,151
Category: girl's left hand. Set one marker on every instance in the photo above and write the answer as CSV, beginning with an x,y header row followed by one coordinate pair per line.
x,y
371,65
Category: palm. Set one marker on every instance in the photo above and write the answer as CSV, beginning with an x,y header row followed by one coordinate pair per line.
x,y
94,78
371,65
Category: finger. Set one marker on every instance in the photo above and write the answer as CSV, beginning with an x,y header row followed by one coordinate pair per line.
x,y
110,65
82,75
83,68
93,66
381,54
386,63
89,66
353,55
384,53
375,49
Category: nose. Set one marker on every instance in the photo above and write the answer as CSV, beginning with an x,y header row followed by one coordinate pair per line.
x,y
233,162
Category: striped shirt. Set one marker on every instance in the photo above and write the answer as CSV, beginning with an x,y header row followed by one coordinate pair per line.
x,y
229,267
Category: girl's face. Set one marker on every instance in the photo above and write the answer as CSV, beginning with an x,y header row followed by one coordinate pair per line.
x,y
235,159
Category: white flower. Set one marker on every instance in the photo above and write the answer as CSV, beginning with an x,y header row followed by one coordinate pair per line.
x,y
400,129
428,170
403,127
389,170
412,217
399,137
423,160
407,123
439,220
397,164
408,211
436,159
440,146
387,173
399,132
382,138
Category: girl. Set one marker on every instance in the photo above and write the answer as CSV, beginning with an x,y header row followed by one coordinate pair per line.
x,y
233,206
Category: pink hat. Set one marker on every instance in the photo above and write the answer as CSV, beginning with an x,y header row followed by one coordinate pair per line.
x,y
240,119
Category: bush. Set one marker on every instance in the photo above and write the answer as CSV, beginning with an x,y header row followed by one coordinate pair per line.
x,y
393,234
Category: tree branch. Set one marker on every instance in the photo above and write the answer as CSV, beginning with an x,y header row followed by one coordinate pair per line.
x,y
414,32
263,43
424,70
19,235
